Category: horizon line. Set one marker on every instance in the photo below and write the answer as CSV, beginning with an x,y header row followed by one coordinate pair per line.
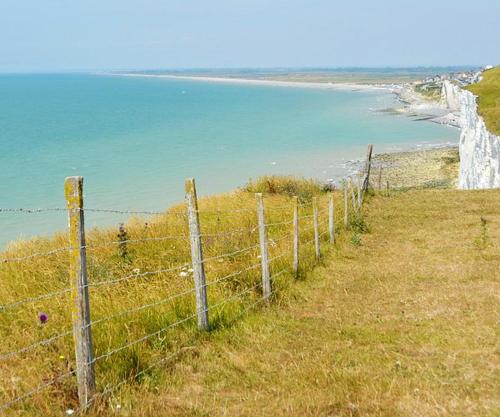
x,y
243,68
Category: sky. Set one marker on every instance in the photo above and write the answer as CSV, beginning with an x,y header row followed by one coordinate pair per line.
x,y
79,35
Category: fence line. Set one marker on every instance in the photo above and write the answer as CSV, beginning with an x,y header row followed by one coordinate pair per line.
x,y
87,394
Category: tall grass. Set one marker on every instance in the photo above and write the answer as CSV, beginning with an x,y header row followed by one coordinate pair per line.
x,y
131,251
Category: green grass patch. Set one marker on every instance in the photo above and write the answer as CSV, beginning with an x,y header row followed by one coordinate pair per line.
x,y
488,92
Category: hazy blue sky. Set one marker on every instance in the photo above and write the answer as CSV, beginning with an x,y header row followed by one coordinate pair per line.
x,y
45,35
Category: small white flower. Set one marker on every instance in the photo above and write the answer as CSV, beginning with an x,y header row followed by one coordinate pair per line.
x,y
136,271
190,270
258,256
70,412
183,274
118,406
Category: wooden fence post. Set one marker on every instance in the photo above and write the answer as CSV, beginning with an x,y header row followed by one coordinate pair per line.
x,y
346,205
331,219
197,254
296,236
264,253
80,308
316,227
368,165
353,196
360,191
380,179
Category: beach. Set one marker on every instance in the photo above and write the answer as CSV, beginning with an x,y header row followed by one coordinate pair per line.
x,y
265,82
425,168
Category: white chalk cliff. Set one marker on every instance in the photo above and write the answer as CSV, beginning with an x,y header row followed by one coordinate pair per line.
x,y
479,149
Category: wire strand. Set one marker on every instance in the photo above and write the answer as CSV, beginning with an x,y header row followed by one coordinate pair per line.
x,y
34,299
34,255
143,307
238,252
36,390
135,276
279,223
164,329
28,348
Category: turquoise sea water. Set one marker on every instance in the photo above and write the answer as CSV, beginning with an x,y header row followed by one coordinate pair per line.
x,y
135,140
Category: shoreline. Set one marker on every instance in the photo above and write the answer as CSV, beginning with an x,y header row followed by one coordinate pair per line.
x,y
270,83
424,168
412,104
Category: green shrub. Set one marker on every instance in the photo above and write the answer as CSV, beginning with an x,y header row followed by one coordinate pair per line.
x,y
289,186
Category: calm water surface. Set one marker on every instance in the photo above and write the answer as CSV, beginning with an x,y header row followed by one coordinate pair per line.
x,y
135,140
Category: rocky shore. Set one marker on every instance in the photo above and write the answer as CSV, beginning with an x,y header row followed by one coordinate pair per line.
x,y
426,168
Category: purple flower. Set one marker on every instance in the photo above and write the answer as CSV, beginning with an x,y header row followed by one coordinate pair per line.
x,y
43,317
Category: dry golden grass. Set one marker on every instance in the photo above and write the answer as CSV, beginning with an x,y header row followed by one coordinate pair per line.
x,y
404,323
228,223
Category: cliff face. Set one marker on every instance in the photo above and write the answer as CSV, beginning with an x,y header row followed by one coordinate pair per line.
x,y
479,149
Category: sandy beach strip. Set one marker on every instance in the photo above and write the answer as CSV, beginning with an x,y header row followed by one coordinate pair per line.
x,y
272,83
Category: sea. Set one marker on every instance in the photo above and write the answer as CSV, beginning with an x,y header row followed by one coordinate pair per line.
x,y
136,139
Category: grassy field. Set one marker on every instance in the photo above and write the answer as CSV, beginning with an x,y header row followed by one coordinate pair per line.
x,y
400,322
140,283
488,91
399,319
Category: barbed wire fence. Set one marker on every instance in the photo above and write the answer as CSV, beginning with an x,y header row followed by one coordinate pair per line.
x,y
193,254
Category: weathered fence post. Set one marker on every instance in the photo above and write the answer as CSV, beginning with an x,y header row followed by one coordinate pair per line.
x,y
316,227
353,196
331,219
368,165
197,254
264,253
80,306
359,190
296,236
346,205
380,179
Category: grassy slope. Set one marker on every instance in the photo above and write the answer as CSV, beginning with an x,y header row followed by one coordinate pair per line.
x,y
488,91
404,325
224,232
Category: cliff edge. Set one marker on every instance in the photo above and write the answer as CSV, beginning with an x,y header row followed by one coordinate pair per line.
x,y
479,148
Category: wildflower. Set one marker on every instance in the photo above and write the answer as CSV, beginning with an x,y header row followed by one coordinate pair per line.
x,y
183,274
62,357
118,406
221,260
70,412
43,318
136,271
258,256
190,270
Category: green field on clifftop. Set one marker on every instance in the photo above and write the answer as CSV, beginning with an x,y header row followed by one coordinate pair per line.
x,y
488,92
